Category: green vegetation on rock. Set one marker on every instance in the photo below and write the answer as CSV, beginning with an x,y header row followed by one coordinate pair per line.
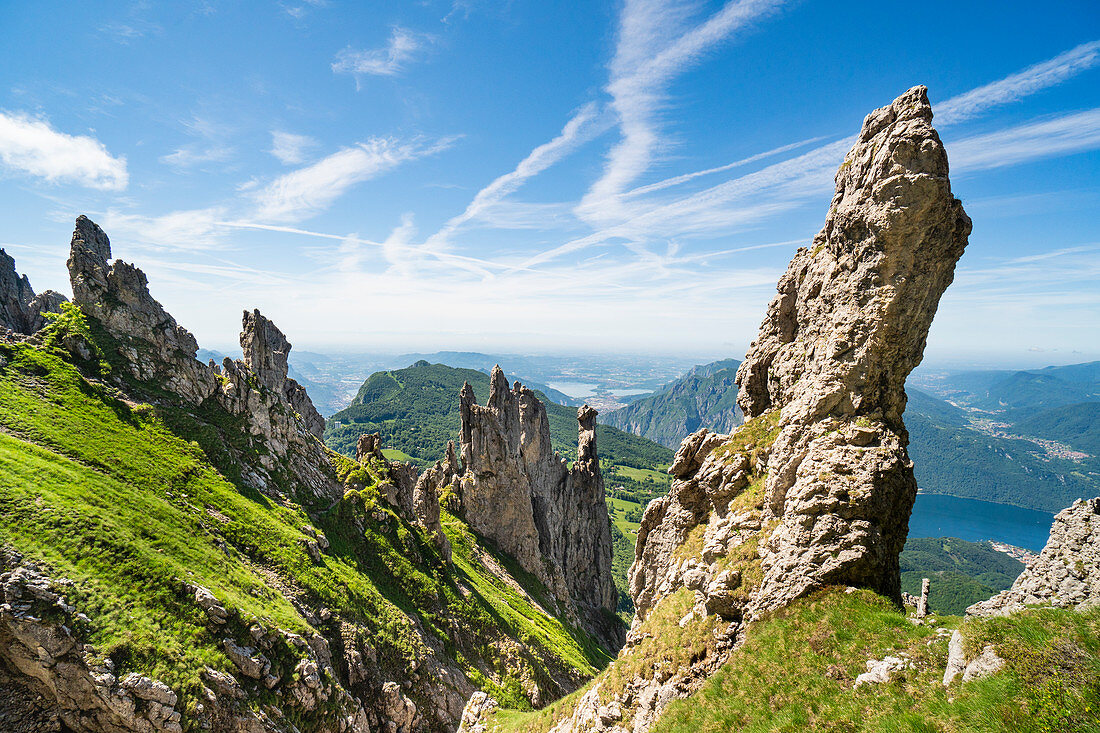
x,y
136,502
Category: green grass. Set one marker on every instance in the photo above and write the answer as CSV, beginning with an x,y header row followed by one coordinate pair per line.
x,y
795,673
124,499
622,506
392,454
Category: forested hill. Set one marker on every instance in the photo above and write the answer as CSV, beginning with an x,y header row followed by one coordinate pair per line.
x,y
416,411
962,573
705,397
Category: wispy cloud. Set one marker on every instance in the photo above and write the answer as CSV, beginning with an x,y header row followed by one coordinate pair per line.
x,y
189,230
192,155
302,193
210,144
1019,85
32,146
402,47
1064,135
678,180
653,48
578,129
290,148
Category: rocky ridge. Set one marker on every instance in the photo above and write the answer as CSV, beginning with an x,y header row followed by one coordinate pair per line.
x,y
21,311
335,678
1066,574
816,487
551,518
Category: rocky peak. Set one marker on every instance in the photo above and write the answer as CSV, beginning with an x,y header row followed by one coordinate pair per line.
x,y
156,349
21,310
848,325
265,349
516,491
1067,572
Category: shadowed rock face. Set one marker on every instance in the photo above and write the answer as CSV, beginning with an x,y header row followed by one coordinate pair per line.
x,y
848,325
1067,572
551,518
21,310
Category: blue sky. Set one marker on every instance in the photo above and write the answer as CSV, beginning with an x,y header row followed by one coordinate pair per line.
x,y
542,177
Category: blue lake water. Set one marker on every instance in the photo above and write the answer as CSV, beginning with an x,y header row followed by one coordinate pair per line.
x,y
935,515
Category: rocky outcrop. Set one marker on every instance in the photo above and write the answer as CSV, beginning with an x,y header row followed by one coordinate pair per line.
x,y
1067,572
160,354
155,349
848,325
816,487
21,310
524,497
265,352
426,505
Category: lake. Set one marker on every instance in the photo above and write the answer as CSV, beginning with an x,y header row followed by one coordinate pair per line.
x,y
937,515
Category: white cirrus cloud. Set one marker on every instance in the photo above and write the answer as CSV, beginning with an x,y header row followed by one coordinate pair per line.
x,y
289,147
403,46
32,146
1044,138
191,229
304,192
1016,86
653,48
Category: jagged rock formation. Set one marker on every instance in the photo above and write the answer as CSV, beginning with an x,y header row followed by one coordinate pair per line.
x,y
265,352
816,487
155,348
160,353
848,325
552,519
21,310
1066,573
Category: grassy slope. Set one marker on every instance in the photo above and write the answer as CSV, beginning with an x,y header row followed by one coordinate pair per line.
x,y
780,680
106,493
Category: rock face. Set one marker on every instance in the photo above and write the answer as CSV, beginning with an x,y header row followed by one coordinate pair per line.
x,y
155,348
265,352
816,487
1066,573
850,321
517,492
21,310
160,353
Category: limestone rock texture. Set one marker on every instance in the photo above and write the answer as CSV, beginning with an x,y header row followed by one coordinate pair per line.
x,y
847,326
816,487
524,497
159,353
21,310
1067,572
154,347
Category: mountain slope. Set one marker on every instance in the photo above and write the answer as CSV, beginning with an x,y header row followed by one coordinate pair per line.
x,y
704,397
952,458
1075,425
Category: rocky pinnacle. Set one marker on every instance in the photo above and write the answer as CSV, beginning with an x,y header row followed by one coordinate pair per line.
x,y
551,518
847,326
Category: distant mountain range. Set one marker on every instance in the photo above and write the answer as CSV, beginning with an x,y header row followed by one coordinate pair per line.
x,y
1027,438
704,397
